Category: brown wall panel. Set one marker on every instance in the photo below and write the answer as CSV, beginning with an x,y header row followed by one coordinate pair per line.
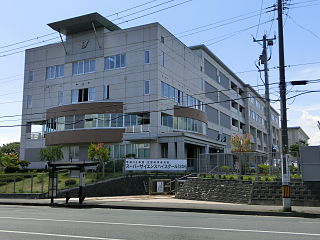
x,y
84,136
85,108
190,113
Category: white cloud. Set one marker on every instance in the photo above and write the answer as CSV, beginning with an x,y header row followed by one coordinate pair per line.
x,y
308,122
5,140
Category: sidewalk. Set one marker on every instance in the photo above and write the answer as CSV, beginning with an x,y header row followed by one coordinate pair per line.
x,y
169,203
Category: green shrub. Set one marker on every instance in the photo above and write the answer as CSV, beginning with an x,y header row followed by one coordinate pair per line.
x,y
264,169
225,169
70,182
293,169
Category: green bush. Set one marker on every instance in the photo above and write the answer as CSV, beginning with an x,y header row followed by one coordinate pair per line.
x,y
11,169
264,169
225,169
293,169
119,165
70,182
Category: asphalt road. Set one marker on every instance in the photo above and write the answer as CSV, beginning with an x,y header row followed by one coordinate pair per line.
x,y
23,222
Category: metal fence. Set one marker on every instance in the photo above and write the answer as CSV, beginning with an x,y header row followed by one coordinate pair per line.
x,y
23,183
244,163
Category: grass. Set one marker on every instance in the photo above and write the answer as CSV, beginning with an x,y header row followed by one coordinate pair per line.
x,y
40,182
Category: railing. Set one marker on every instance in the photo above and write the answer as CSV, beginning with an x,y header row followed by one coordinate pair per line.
x,y
245,163
138,128
23,183
35,135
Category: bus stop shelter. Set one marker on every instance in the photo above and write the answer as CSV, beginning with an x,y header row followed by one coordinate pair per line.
x,y
53,177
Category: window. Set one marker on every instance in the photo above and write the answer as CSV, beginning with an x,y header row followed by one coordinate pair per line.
x,y
82,67
60,98
162,58
162,39
174,94
166,120
55,72
146,87
106,91
29,101
82,95
146,57
114,62
30,76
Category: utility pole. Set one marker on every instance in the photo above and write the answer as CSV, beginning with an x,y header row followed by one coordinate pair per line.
x,y
264,60
286,191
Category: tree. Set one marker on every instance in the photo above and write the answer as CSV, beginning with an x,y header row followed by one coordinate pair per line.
x,y
100,153
9,157
10,148
241,144
51,154
295,148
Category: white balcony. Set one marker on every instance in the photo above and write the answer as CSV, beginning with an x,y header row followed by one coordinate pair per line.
x,y
138,128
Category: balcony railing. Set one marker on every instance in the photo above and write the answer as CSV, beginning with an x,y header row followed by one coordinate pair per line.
x,y
138,128
35,135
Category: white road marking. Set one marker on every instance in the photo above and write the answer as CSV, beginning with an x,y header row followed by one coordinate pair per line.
x,y
310,222
231,219
164,226
57,235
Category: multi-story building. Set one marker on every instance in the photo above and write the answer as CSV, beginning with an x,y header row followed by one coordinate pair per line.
x,y
296,135
140,90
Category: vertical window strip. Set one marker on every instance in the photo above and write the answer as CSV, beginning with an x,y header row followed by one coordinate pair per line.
x,y
146,87
147,57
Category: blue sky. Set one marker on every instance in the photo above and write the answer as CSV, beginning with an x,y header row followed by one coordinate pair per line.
x,y
230,40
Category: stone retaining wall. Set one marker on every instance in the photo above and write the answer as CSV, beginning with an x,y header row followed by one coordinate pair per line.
x,y
215,190
264,193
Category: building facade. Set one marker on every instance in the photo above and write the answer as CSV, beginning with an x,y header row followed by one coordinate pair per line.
x,y
296,134
140,90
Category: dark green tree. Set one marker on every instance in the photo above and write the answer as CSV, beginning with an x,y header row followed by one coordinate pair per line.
x,y
51,153
294,148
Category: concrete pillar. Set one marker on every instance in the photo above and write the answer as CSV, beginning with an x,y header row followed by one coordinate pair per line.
x,y
155,150
181,150
172,150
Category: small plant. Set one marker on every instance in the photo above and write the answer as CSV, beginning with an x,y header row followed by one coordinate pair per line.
x,y
70,182
225,169
264,169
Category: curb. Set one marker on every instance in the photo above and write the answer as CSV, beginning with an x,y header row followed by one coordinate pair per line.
x,y
194,210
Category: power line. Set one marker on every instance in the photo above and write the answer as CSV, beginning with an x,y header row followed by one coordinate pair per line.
x,y
38,37
136,103
259,18
302,27
160,4
160,10
128,9
161,110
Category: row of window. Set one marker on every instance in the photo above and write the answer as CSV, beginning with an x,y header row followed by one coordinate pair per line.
x,y
255,102
255,116
86,94
183,124
179,97
88,66
140,151
113,120
275,118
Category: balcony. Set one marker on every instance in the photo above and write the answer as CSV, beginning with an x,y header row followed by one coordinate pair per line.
x,y
35,136
138,128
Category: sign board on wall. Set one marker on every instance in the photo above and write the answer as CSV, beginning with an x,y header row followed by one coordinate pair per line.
x,y
156,165
160,187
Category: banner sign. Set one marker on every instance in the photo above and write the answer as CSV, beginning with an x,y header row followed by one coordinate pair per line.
x,y
156,165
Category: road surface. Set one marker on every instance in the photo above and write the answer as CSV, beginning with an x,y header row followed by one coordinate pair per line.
x,y
26,222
